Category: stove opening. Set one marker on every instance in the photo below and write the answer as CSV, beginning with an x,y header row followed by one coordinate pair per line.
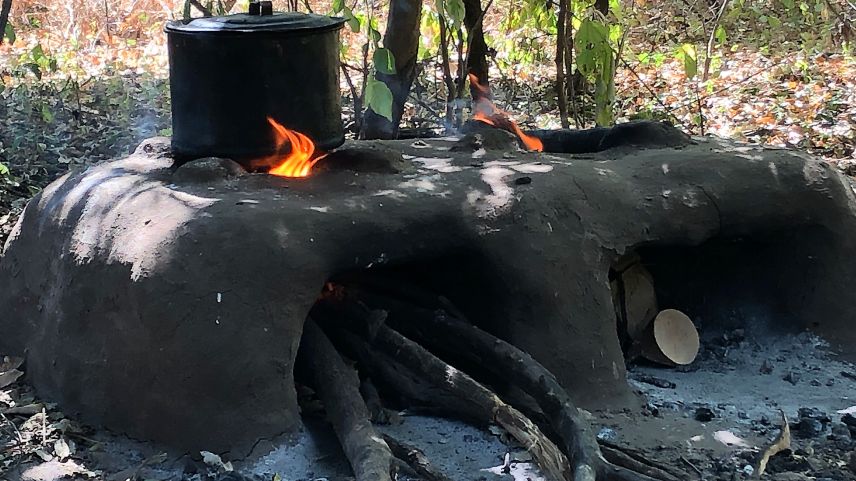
x,y
755,286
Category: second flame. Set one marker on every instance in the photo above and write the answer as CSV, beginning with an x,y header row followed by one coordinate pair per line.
x,y
485,111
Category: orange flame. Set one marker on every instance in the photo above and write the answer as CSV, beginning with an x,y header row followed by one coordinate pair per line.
x,y
299,160
485,111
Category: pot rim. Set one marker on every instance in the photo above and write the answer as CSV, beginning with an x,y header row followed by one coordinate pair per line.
x,y
280,23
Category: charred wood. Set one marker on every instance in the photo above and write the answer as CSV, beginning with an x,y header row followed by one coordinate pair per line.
x,y
338,388
464,342
470,396
477,53
636,134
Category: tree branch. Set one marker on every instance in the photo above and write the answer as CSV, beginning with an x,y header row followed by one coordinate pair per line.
x,y
201,8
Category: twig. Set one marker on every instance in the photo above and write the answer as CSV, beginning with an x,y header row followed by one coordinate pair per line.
x,y
358,101
14,428
107,21
633,454
710,39
462,68
430,110
647,467
447,69
723,89
700,109
200,7
44,426
651,91
692,466
415,458
561,47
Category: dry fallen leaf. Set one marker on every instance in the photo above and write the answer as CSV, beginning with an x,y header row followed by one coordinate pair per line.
x,y
63,449
215,461
43,455
781,443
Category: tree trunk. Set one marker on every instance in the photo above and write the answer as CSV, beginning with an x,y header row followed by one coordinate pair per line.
x,y
477,55
4,18
402,39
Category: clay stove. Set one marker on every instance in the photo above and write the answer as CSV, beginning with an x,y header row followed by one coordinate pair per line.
x,y
169,303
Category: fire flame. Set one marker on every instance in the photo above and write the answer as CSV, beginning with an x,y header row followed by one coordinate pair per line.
x,y
485,111
301,156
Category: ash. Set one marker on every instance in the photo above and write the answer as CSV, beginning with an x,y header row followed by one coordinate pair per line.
x,y
725,408
460,450
747,379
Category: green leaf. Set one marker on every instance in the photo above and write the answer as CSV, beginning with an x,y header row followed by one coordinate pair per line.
x,y
47,115
338,5
687,53
592,42
9,33
374,35
276,477
384,62
720,35
3,169
379,98
37,53
352,20
185,13
456,11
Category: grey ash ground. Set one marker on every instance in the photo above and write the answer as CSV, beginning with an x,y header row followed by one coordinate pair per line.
x,y
743,379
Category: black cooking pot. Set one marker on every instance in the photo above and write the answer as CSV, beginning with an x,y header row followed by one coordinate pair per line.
x,y
229,74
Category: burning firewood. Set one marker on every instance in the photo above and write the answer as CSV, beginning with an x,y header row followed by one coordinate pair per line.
x,y
485,111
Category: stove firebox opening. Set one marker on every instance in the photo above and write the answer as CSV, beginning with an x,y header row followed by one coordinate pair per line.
x,y
424,336
757,284
771,332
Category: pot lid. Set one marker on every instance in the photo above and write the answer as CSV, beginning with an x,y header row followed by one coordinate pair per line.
x,y
246,23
